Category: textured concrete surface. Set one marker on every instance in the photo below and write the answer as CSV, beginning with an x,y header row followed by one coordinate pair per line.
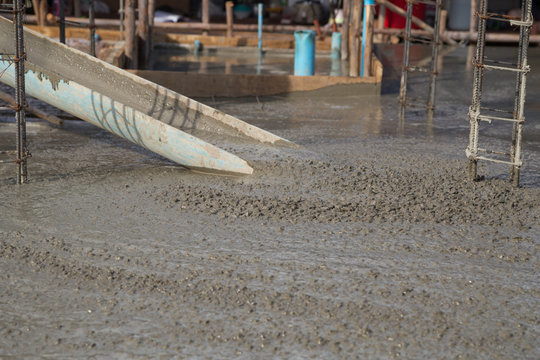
x,y
367,242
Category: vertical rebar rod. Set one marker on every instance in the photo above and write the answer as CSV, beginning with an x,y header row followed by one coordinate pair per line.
x,y
92,25
434,59
20,98
521,82
474,111
406,54
62,22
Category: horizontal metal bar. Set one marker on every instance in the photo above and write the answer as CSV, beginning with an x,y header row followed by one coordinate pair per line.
x,y
509,19
511,67
72,23
486,151
7,161
5,108
418,39
497,110
488,119
499,161
414,103
418,69
8,152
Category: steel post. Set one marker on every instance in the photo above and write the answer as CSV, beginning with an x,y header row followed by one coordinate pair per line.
x,y
434,59
92,25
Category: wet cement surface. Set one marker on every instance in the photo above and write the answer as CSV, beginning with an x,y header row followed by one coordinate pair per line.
x,y
367,242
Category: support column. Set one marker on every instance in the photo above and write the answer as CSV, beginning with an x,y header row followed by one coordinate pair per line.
x,y
131,38
205,14
142,34
229,7
345,33
367,37
354,56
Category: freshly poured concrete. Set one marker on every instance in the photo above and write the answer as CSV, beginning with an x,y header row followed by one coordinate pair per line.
x,y
368,242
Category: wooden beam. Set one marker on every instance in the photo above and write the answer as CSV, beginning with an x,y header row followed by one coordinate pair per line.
x,y
205,14
370,22
236,85
143,35
380,21
131,38
354,56
345,29
229,7
472,21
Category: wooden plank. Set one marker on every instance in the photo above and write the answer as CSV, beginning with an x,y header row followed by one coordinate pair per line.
x,y
236,85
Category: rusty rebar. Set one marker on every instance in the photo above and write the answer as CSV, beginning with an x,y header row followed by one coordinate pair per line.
x,y
20,98
433,70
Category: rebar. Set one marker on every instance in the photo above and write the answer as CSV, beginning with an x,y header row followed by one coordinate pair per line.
x,y
92,26
521,68
20,98
406,54
474,110
434,58
432,69
521,82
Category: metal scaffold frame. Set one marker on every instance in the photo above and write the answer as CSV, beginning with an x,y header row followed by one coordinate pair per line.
x,y
17,59
432,69
62,22
477,113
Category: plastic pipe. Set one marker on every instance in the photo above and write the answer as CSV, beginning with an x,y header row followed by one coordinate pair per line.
x,y
260,24
336,45
364,33
304,53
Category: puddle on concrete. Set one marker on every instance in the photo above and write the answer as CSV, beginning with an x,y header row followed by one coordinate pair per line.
x,y
239,61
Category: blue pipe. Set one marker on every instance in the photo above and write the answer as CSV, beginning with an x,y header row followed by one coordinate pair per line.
x,y
336,45
364,31
260,23
304,53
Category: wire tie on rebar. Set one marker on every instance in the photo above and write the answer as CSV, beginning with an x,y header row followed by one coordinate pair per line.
x,y
470,154
474,114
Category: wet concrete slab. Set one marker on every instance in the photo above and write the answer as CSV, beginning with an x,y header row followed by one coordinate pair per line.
x,y
367,242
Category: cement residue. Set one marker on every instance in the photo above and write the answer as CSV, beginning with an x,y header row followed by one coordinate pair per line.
x,y
368,242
